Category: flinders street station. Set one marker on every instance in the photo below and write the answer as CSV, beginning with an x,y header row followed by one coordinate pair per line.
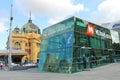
x,y
25,44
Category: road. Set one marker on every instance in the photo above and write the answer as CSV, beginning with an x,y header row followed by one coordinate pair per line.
x,y
107,72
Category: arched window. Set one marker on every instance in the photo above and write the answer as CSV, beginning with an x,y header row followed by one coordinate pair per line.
x,y
29,44
26,44
38,31
38,44
23,29
17,45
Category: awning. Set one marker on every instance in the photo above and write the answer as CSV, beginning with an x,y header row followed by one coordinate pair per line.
x,y
14,52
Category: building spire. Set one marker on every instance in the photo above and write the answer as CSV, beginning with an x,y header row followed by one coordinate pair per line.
x,y
30,20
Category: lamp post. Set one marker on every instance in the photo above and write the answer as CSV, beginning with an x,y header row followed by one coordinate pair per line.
x,y
10,41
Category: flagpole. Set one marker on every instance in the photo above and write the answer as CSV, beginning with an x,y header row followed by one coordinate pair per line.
x,y
10,41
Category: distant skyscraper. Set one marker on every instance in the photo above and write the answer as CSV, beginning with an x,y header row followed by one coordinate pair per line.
x,y
107,25
116,27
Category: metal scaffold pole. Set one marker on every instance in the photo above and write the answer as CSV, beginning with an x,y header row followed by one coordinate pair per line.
x,y
10,41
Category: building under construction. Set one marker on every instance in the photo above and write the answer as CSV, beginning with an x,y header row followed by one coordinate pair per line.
x,y
74,45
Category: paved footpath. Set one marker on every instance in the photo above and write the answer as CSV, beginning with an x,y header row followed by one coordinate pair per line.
x,y
107,72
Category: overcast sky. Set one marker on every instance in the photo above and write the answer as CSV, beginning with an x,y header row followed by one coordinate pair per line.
x,y
48,12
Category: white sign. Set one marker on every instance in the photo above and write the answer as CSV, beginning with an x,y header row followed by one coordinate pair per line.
x,y
102,34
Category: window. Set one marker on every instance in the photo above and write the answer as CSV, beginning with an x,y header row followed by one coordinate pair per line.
x,y
38,31
17,31
25,44
38,44
17,44
29,44
29,51
24,29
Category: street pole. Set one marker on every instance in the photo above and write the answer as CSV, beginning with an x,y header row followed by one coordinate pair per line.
x,y
10,41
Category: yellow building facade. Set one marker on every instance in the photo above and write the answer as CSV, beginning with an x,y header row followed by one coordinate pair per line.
x,y
27,39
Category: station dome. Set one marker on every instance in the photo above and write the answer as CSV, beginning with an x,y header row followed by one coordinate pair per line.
x,y
30,27
16,30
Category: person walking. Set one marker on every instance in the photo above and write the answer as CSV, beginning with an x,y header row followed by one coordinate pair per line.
x,y
1,65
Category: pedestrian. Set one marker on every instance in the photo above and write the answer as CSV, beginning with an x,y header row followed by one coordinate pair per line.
x,y
1,65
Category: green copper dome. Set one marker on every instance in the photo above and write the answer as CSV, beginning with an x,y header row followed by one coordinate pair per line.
x,y
16,30
30,27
